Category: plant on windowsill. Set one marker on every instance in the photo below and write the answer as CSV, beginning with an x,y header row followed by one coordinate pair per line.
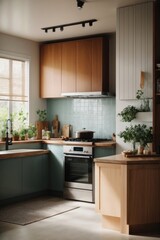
x,y
42,122
32,132
23,133
15,135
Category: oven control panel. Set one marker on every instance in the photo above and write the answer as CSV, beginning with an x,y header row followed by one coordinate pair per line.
x,y
80,150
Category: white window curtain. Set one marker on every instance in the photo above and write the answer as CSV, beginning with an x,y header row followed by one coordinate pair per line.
x,y
13,80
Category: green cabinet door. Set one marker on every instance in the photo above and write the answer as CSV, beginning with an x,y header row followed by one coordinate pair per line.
x,y
56,168
35,174
10,178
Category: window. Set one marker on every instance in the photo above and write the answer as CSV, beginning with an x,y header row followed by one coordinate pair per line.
x,y
14,85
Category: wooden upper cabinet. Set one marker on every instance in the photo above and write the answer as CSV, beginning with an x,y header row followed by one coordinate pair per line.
x,y
84,65
68,67
50,70
134,52
74,66
100,64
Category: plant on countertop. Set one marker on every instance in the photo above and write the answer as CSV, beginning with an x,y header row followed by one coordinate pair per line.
x,y
32,132
137,134
42,114
128,113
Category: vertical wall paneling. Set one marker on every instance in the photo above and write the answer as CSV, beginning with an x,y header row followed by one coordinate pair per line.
x,y
134,49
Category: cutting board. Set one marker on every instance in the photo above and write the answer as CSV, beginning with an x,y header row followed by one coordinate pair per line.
x,y
66,130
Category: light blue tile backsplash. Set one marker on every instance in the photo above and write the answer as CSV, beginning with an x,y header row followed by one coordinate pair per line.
x,y
93,114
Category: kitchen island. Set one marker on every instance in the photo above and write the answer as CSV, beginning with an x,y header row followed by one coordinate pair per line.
x,y
127,193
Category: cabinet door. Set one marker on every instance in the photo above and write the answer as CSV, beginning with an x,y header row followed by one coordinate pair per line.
x,y
134,50
97,64
69,66
35,174
10,178
56,166
84,65
50,85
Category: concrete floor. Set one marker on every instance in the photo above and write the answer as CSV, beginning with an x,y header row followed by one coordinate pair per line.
x,y
81,223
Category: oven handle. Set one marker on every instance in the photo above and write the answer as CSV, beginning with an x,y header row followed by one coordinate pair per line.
x,y
77,156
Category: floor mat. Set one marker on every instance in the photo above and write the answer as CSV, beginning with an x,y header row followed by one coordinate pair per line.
x,y
34,210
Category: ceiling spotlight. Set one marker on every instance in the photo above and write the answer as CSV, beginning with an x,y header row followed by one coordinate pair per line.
x,y
61,28
46,30
83,24
90,24
80,3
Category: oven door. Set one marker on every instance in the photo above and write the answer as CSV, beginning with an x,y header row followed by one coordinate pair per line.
x,y
78,171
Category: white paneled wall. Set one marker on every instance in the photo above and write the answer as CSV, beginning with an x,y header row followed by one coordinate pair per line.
x,y
134,53
134,48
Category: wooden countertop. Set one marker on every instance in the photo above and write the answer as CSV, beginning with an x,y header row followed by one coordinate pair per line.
x,y
120,159
59,141
22,153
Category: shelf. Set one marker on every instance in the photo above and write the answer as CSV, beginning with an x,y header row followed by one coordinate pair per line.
x,y
144,116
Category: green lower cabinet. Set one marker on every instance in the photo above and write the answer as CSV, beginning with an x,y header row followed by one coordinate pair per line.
x,y
10,178
103,152
35,174
23,175
56,168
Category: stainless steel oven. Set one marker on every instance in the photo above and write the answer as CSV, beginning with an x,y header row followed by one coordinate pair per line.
x,y
79,173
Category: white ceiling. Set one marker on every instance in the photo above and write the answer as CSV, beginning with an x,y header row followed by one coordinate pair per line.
x,y
25,18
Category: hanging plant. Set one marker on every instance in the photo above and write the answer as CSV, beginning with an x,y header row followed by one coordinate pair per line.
x,y
128,113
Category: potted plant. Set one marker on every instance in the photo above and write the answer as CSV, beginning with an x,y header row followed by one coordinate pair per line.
x,y
144,107
15,135
3,129
23,133
42,122
3,134
32,132
128,113
137,134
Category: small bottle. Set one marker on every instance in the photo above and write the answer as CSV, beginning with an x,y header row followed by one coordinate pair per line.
x,y
158,85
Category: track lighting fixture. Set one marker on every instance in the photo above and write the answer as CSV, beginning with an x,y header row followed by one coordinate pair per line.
x,y
80,3
61,27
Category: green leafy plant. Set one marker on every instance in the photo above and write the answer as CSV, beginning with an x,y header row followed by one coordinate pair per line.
x,y
144,107
128,113
23,133
32,131
137,133
42,115
15,135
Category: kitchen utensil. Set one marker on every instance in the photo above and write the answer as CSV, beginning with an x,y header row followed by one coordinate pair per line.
x,y
66,131
84,134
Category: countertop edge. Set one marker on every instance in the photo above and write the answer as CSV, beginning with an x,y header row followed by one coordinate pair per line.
x,y
120,159
98,144
29,152
59,141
